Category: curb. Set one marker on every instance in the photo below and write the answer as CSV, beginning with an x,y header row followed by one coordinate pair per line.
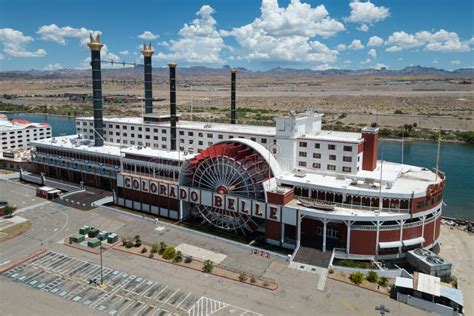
x,y
23,260
194,269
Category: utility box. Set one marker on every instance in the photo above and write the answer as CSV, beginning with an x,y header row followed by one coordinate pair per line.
x,y
93,243
84,230
78,238
112,238
103,235
93,232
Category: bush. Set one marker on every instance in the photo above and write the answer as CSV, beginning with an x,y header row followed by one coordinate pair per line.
x,y
207,266
252,279
9,210
128,244
188,259
383,281
169,253
398,112
372,276
138,241
162,247
124,241
454,281
242,277
331,270
266,284
144,250
357,278
151,255
178,257
154,248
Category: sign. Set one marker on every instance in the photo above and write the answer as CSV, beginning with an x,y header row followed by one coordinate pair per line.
x,y
193,195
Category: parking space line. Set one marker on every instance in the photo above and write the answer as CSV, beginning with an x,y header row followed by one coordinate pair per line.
x,y
177,306
169,298
155,296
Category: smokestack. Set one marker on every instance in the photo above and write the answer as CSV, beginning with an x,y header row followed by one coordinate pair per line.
x,y
147,52
95,46
173,105
232,95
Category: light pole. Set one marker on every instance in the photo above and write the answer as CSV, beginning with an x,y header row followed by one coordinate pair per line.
x,y
101,275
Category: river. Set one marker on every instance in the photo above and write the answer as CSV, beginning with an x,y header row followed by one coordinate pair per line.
x,y
456,160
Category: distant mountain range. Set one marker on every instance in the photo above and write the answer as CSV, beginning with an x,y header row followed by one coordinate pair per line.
x,y
137,72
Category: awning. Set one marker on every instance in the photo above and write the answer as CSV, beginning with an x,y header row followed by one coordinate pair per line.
x,y
390,244
413,241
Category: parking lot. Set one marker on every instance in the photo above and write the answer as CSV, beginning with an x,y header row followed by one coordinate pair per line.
x,y
122,293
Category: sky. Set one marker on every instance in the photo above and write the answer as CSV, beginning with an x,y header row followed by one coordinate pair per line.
x,y
257,34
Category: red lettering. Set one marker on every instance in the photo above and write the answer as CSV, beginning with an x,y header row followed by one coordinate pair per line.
x,y
273,213
217,201
163,189
136,184
194,196
231,204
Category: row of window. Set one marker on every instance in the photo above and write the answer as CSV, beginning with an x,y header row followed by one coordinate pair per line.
x,y
331,157
317,165
20,131
330,146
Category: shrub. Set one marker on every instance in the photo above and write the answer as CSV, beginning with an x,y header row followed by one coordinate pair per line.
x,y
155,248
162,247
242,277
252,279
144,250
372,276
382,281
138,241
454,281
169,253
151,255
188,259
398,112
357,278
9,210
178,257
266,284
128,244
331,270
124,241
207,266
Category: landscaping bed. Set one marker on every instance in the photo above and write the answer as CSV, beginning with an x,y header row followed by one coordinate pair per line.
x,y
377,284
168,254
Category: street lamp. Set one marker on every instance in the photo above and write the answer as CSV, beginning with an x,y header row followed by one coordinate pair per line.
x,y
101,274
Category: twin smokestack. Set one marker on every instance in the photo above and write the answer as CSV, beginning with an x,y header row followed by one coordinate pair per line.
x,y
147,51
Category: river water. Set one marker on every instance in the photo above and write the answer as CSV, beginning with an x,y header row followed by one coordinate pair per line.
x,y
456,160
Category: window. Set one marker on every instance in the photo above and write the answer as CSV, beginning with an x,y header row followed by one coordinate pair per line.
x,y
332,167
264,140
346,169
200,143
163,131
302,164
117,126
155,137
110,126
317,145
181,133
163,139
190,134
253,139
209,135
347,159
317,155
200,134
347,148
155,130
220,136
316,165
332,147
147,129
139,129
332,157
302,154
303,144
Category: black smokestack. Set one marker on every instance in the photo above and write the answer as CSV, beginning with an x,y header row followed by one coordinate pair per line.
x,y
95,46
233,73
147,53
173,105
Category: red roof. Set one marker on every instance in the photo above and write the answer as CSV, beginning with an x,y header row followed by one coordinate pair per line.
x,y
20,121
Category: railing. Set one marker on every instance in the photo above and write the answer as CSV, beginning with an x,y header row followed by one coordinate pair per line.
x,y
353,206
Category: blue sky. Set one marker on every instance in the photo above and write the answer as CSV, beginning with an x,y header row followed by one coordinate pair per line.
x,y
51,34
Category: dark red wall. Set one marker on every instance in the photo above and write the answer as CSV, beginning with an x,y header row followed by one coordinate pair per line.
x,y
363,242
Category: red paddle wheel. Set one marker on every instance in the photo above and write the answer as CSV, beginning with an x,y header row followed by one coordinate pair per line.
x,y
228,168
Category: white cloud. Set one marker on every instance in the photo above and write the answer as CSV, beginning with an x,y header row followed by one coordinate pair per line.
x,y
148,36
435,61
442,41
52,67
363,28
347,61
341,47
14,43
124,52
356,45
199,42
373,53
287,33
366,13
375,41
54,33
455,62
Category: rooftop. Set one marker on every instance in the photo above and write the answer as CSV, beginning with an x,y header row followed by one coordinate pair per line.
x,y
336,136
17,124
396,179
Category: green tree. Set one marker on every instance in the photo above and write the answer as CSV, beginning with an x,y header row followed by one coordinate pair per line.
x,y
169,253
383,281
207,266
155,248
372,276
